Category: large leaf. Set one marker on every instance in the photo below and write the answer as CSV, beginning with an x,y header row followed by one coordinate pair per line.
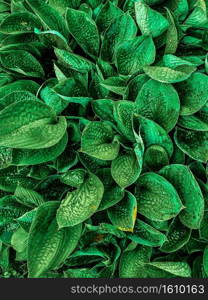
x,y
49,246
121,29
147,18
190,194
133,55
157,198
19,22
99,141
21,62
36,129
49,16
80,204
193,143
159,102
84,31
193,93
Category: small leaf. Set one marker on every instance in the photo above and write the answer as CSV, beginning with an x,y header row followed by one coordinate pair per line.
x,y
177,236
168,75
80,204
121,29
49,16
146,235
73,61
133,263
126,168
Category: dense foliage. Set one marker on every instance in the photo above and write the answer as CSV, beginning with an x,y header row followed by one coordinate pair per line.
x,y
103,138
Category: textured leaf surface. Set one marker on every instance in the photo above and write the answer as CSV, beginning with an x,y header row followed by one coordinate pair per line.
x,y
48,246
80,204
190,194
34,130
157,198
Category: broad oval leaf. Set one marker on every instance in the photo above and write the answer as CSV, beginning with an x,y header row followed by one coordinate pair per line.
x,y
159,102
82,203
19,22
133,55
98,140
193,93
30,125
126,168
121,29
168,75
157,198
49,246
21,62
190,194
193,143
147,18
177,236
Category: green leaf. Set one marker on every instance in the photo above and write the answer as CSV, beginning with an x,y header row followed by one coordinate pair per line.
x,y
126,168
37,129
26,157
153,102
48,16
180,269
157,198
112,192
146,235
177,236
19,22
133,263
73,61
123,215
190,194
168,75
198,16
193,93
155,157
193,143
172,35
121,29
205,260
82,203
108,13
103,108
150,21
133,55
28,197
99,141
15,97
84,31
21,62
153,134
197,122
19,85
49,246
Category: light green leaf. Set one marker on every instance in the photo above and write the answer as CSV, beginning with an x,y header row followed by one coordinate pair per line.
x,y
82,203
